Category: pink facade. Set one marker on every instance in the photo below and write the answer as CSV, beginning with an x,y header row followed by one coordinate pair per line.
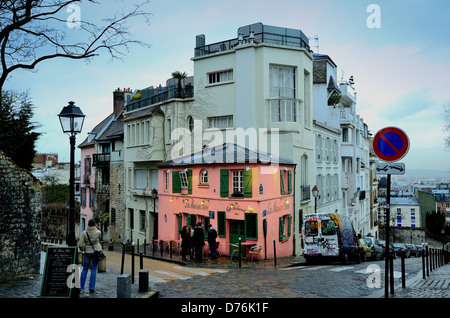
x,y
87,190
236,198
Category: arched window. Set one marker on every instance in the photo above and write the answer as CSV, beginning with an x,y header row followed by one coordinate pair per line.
x,y
204,176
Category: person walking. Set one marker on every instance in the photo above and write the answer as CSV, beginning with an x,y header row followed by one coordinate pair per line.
x,y
185,236
89,242
199,241
191,242
212,235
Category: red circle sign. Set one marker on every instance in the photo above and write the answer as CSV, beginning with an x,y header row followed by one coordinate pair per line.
x,y
390,144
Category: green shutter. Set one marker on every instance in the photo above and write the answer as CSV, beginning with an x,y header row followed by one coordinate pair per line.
x,y
224,191
176,182
248,183
206,227
191,220
290,181
280,228
180,222
282,181
189,175
289,225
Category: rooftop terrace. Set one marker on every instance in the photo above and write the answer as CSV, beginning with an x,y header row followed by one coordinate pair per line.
x,y
255,33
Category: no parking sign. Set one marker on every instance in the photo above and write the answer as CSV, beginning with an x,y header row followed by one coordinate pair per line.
x,y
390,144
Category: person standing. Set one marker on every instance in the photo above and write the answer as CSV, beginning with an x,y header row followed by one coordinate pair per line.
x,y
185,236
199,241
89,242
212,235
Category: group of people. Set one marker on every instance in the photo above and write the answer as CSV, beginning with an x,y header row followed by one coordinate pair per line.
x,y
193,242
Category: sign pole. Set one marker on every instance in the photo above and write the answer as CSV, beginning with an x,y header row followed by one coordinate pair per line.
x,y
388,254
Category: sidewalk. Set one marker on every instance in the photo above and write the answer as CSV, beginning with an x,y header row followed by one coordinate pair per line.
x,y
437,285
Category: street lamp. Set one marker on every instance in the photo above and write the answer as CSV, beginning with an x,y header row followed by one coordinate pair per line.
x,y
315,193
71,119
154,196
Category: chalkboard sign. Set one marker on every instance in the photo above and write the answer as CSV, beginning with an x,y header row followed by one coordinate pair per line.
x,y
54,279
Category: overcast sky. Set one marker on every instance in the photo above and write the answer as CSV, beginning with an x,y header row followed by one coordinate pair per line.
x,y
400,62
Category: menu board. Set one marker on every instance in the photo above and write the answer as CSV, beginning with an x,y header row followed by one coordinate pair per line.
x,y
56,273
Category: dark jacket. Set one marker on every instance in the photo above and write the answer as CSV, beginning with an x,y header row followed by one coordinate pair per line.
x,y
199,237
212,235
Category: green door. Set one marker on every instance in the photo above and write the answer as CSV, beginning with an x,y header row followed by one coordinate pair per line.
x,y
237,228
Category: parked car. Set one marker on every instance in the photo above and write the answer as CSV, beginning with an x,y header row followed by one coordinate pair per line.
x,y
365,250
401,249
383,244
412,249
375,246
419,249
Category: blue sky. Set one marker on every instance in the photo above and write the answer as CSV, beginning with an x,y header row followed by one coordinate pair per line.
x,y
401,69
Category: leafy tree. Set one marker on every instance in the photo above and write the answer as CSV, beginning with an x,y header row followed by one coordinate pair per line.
x,y
33,31
17,135
179,76
54,192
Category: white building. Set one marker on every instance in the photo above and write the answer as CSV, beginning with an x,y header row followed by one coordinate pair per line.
x,y
355,176
327,132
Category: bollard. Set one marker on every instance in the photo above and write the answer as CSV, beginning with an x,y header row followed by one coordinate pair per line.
x,y
153,248
423,262
143,281
274,254
123,258
124,286
428,264
161,248
403,271
239,254
145,246
132,262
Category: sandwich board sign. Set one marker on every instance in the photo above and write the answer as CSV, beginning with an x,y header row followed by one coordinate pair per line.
x,y
55,279
390,144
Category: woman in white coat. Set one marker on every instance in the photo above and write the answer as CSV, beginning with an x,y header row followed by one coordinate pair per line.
x,y
89,243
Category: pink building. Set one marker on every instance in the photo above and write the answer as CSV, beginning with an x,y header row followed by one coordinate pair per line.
x,y
238,197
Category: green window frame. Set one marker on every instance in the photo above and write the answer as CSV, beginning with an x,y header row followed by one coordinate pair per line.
x,y
224,182
285,220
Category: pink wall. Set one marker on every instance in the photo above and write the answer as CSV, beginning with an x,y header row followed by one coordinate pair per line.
x,y
206,201
87,152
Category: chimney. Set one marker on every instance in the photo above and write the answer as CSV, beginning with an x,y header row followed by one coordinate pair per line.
x,y
118,101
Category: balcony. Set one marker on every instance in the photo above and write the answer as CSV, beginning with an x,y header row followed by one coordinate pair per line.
x,y
258,33
183,93
101,159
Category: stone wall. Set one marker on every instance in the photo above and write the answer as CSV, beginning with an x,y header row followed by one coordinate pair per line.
x,y
116,193
408,235
20,220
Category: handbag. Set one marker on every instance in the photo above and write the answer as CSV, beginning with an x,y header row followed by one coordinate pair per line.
x,y
98,255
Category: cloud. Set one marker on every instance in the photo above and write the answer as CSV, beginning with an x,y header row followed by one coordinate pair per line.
x,y
409,105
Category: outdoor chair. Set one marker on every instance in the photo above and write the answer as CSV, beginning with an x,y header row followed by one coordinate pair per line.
x,y
234,249
254,251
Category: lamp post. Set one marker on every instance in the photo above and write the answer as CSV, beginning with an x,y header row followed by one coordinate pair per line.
x,y
315,193
71,119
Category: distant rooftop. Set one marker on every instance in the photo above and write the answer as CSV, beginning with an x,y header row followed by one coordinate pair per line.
x,y
255,33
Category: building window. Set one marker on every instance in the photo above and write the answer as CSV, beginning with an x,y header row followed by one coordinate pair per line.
x,y
140,178
166,181
191,124
220,77
183,179
204,176
142,220
220,121
113,216
285,222
238,181
283,105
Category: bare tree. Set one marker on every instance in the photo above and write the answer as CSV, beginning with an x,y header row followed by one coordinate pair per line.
x,y
33,31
